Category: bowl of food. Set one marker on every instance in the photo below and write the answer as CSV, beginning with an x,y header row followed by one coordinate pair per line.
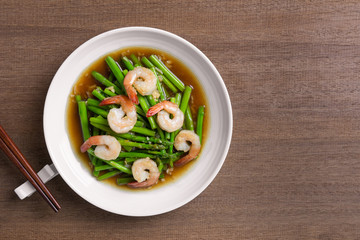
x,y
137,121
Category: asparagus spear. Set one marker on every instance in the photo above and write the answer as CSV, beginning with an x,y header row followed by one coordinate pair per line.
x,y
106,82
168,74
127,63
103,121
115,68
185,99
98,94
124,142
135,60
123,181
145,106
159,86
148,64
83,118
135,155
168,83
200,120
112,163
188,119
108,175
143,131
103,167
85,127
98,111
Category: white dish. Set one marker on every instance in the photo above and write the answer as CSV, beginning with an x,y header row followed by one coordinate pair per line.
x,y
171,195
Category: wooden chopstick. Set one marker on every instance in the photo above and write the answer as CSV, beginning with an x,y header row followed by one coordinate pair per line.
x,y
12,151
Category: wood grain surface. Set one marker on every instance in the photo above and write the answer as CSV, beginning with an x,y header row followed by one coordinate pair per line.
x,y
292,72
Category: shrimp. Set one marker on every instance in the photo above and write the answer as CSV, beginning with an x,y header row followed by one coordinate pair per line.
x,y
117,120
145,172
144,81
108,147
181,144
163,117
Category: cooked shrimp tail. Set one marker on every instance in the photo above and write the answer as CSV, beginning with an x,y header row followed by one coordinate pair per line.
x,y
155,109
165,122
145,172
132,94
184,160
139,79
112,100
117,120
86,145
160,106
181,144
147,183
124,101
108,147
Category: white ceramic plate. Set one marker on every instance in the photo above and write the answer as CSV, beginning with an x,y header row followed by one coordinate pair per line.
x,y
171,195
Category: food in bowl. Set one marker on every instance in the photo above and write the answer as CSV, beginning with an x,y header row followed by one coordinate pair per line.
x,y
187,182
141,117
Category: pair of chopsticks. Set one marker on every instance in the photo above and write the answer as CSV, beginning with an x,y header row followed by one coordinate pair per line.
x,y
12,151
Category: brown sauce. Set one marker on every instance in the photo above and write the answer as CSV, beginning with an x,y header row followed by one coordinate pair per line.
x,y
86,83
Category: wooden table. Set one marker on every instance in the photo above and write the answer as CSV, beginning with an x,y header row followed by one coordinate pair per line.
x,y
292,72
